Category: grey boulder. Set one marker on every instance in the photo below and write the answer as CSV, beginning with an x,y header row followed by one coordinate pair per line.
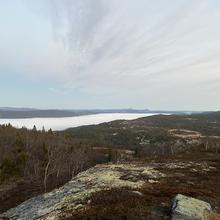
x,y
188,208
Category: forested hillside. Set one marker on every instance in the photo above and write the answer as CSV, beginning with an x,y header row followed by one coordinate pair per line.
x,y
33,161
153,129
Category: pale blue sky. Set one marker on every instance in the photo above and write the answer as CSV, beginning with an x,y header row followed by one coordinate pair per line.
x,y
77,54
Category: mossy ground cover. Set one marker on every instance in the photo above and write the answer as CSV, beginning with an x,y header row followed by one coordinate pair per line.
x,y
194,180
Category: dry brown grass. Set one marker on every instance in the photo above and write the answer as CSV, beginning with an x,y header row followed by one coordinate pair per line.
x,y
117,204
213,216
155,203
188,134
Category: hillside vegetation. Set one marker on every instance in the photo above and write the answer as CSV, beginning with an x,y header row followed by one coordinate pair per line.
x,y
152,130
33,162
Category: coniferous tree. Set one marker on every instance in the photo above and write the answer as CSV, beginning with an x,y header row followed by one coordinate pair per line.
x,y
110,154
50,131
137,152
19,141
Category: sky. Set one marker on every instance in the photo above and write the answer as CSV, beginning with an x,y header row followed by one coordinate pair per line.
x,y
102,54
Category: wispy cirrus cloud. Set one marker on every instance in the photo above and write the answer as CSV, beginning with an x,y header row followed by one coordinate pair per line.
x,y
122,46
129,48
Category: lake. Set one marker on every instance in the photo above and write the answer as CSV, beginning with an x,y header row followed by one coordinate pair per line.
x,y
57,124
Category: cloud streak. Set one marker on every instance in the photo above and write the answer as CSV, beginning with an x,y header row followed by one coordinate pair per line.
x,y
129,48
110,46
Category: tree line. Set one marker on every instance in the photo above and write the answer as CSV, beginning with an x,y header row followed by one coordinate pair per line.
x,y
44,158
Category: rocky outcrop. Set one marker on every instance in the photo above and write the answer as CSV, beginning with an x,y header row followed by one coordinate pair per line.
x,y
131,175
187,208
100,177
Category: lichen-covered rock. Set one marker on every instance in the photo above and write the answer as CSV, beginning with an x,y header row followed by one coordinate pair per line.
x,y
67,198
187,208
76,193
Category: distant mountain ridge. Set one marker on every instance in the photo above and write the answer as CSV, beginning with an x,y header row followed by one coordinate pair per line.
x,y
17,109
40,114
8,112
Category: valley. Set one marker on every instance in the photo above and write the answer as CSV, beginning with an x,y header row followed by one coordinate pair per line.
x,y
184,148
